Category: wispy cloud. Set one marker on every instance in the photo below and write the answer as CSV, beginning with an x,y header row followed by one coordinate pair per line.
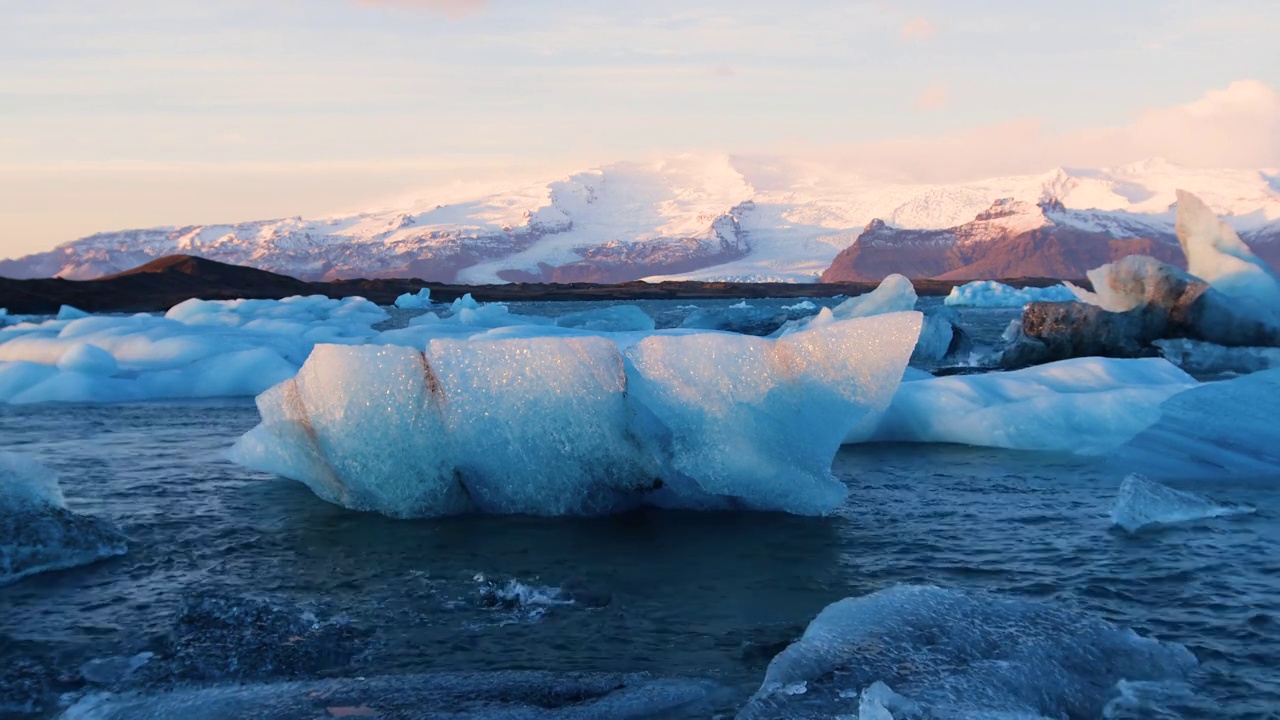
x,y
935,96
917,29
448,8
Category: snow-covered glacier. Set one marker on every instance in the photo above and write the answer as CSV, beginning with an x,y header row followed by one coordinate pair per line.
x,y
522,421
921,651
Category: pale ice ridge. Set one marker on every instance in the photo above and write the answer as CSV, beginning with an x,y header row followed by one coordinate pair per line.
x,y
923,651
1216,255
1084,405
37,532
1221,428
992,294
198,349
571,423
1143,503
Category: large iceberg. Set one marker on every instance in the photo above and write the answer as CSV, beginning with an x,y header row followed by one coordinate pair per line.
x,y
1143,503
37,531
992,294
1217,255
1085,405
565,424
1217,429
922,651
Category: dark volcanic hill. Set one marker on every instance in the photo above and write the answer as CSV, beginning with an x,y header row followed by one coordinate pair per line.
x,y
1014,239
165,282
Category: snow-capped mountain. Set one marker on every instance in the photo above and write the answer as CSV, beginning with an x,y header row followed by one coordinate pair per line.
x,y
708,218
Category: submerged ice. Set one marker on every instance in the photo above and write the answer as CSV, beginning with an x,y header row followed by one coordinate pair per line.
x,y
1143,503
37,532
922,651
563,424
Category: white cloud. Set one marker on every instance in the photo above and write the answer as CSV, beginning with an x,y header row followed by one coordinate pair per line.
x,y
1236,126
448,8
917,28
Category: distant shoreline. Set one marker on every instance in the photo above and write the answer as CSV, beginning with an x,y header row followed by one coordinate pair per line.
x,y
165,282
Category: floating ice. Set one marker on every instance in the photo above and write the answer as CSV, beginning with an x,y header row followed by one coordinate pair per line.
x,y
947,653
1218,256
1143,503
992,294
499,695
1219,428
37,532
198,349
66,312
802,305
1203,358
558,425
1085,405
1132,282
615,318
415,301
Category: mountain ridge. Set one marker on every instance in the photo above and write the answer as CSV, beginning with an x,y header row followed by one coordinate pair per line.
x,y
692,217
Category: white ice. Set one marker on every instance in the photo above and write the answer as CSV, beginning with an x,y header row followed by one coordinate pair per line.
x,y
958,654
1222,428
992,294
1217,255
415,301
1128,283
1143,503
511,421
1084,405
197,349
37,533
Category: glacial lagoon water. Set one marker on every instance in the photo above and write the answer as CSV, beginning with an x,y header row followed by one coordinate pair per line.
x,y
701,595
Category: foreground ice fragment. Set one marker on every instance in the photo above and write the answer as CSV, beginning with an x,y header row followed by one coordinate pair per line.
x,y
1143,503
499,695
953,654
566,424
992,294
1085,405
37,532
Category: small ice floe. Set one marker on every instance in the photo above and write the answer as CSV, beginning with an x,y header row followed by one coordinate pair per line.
x,y
420,300
1144,503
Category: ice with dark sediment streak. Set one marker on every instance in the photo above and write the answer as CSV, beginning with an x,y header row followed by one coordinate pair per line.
x,y
37,532
1143,503
564,424
1222,428
1204,358
501,695
922,651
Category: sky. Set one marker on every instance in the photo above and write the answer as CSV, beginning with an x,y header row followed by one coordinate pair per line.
x,y
139,113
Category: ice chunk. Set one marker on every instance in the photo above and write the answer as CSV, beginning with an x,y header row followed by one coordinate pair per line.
x,y
66,312
738,318
1143,503
1203,358
1217,255
1132,282
498,695
959,654
615,318
1085,405
992,294
415,301
749,417
37,532
894,294
561,424
86,358
1219,428
802,305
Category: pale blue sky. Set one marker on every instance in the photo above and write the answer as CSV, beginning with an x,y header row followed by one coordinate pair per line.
x,y
140,112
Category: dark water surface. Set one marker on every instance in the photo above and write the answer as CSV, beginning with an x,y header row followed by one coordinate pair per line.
x,y
703,595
